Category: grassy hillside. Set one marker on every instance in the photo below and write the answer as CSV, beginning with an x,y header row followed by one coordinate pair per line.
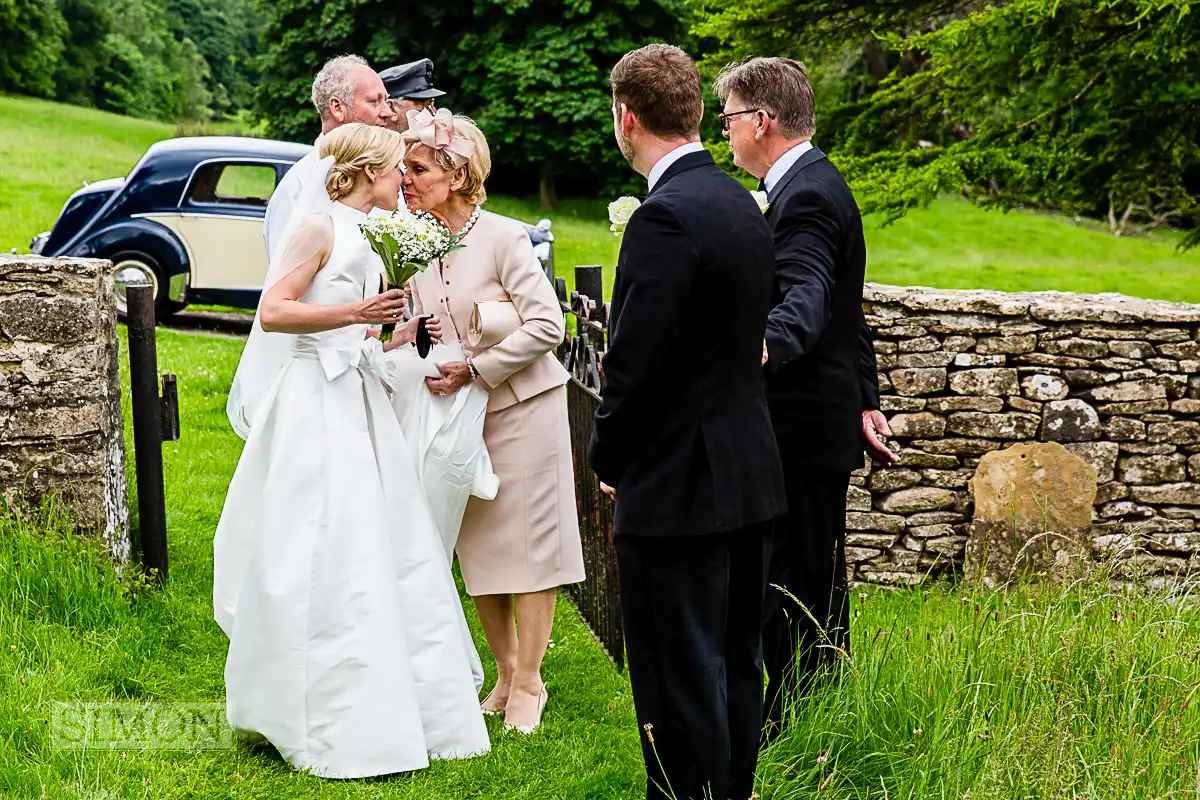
x,y
47,150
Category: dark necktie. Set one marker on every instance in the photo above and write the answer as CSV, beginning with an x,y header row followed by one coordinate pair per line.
x,y
762,185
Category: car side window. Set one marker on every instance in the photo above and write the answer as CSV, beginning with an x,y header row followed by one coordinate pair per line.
x,y
233,184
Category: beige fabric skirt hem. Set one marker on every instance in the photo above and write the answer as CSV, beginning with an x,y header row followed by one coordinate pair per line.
x,y
527,539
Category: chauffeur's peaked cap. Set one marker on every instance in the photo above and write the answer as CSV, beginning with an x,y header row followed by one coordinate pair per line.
x,y
413,80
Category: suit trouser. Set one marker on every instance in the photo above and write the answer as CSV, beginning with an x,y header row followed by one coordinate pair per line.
x,y
808,558
692,609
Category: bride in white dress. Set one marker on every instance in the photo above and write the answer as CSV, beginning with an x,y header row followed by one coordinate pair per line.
x,y
348,649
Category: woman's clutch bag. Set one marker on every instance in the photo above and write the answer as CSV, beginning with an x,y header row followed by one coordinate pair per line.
x,y
491,321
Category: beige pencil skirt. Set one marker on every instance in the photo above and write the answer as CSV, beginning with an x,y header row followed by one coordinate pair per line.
x,y
527,539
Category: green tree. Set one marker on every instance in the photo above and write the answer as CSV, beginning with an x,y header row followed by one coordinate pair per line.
x,y
537,77
85,54
32,35
534,73
1089,106
226,35
300,35
149,58
148,72
850,48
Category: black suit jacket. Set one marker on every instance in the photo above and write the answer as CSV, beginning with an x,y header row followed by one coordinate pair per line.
x,y
821,371
683,431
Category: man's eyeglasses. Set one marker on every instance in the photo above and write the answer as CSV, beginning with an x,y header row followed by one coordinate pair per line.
x,y
726,117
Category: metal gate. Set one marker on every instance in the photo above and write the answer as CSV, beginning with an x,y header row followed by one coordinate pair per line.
x,y
598,597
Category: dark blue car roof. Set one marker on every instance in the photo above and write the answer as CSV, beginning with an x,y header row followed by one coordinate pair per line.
x,y
200,148
158,180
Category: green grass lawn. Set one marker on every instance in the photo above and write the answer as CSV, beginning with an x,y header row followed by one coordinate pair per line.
x,y
70,630
47,150
1079,692
955,245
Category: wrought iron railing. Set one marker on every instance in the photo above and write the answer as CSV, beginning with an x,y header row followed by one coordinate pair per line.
x,y
598,597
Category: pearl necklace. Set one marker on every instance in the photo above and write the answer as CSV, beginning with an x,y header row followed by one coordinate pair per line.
x,y
470,223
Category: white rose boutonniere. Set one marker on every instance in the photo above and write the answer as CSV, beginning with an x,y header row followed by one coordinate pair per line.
x,y
761,199
619,212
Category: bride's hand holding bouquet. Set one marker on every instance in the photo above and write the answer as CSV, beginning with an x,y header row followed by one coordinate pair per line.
x,y
387,309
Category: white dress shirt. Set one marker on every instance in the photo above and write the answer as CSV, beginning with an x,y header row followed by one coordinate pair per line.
x,y
670,158
780,168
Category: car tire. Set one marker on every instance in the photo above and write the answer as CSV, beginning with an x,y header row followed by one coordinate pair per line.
x,y
133,265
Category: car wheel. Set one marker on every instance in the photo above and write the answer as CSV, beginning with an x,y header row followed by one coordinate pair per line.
x,y
132,267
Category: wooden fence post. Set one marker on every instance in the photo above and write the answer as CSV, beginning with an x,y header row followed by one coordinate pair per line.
x,y
152,418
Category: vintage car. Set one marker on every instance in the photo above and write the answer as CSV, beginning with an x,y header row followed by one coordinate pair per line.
x,y
188,219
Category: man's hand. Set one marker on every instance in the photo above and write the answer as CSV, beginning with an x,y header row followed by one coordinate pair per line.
x,y
876,432
764,361
608,490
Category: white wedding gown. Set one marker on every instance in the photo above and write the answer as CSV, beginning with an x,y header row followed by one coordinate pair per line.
x,y
445,437
348,649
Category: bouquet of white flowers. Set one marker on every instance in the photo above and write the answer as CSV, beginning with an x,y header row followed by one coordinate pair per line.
x,y
407,242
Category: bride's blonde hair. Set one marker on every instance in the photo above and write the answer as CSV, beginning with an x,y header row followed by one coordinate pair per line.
x,y
355,147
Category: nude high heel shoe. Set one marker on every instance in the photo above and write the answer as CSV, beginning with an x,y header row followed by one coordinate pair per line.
x,y
528,729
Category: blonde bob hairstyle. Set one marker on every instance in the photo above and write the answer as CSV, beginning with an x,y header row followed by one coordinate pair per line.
x,y
355,147
478,166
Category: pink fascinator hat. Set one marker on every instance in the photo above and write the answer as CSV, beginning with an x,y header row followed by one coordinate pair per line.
x,y
436,130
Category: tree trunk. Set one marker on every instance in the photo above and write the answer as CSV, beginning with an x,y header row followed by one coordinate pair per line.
x,y
912,62
875,58
548,195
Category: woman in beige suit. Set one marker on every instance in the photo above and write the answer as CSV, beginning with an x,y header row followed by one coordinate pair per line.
x,y
516,550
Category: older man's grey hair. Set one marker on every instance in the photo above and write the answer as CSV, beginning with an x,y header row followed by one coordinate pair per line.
x,y
778,86
336,80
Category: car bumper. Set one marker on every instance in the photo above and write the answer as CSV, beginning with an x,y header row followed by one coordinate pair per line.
x,y
39,243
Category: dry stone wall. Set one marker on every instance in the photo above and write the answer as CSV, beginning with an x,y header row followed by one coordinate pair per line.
x,y
1115,380
61,424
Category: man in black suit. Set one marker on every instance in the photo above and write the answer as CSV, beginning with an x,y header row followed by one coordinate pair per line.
x,y
819,362
684,435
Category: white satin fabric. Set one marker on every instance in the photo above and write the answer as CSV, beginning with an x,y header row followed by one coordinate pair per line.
x,y
445,435
348,649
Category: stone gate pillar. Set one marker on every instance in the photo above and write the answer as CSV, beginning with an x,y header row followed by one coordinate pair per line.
x,y
61,423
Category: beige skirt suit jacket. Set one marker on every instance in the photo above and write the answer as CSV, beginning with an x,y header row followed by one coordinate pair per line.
x,y
527,539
